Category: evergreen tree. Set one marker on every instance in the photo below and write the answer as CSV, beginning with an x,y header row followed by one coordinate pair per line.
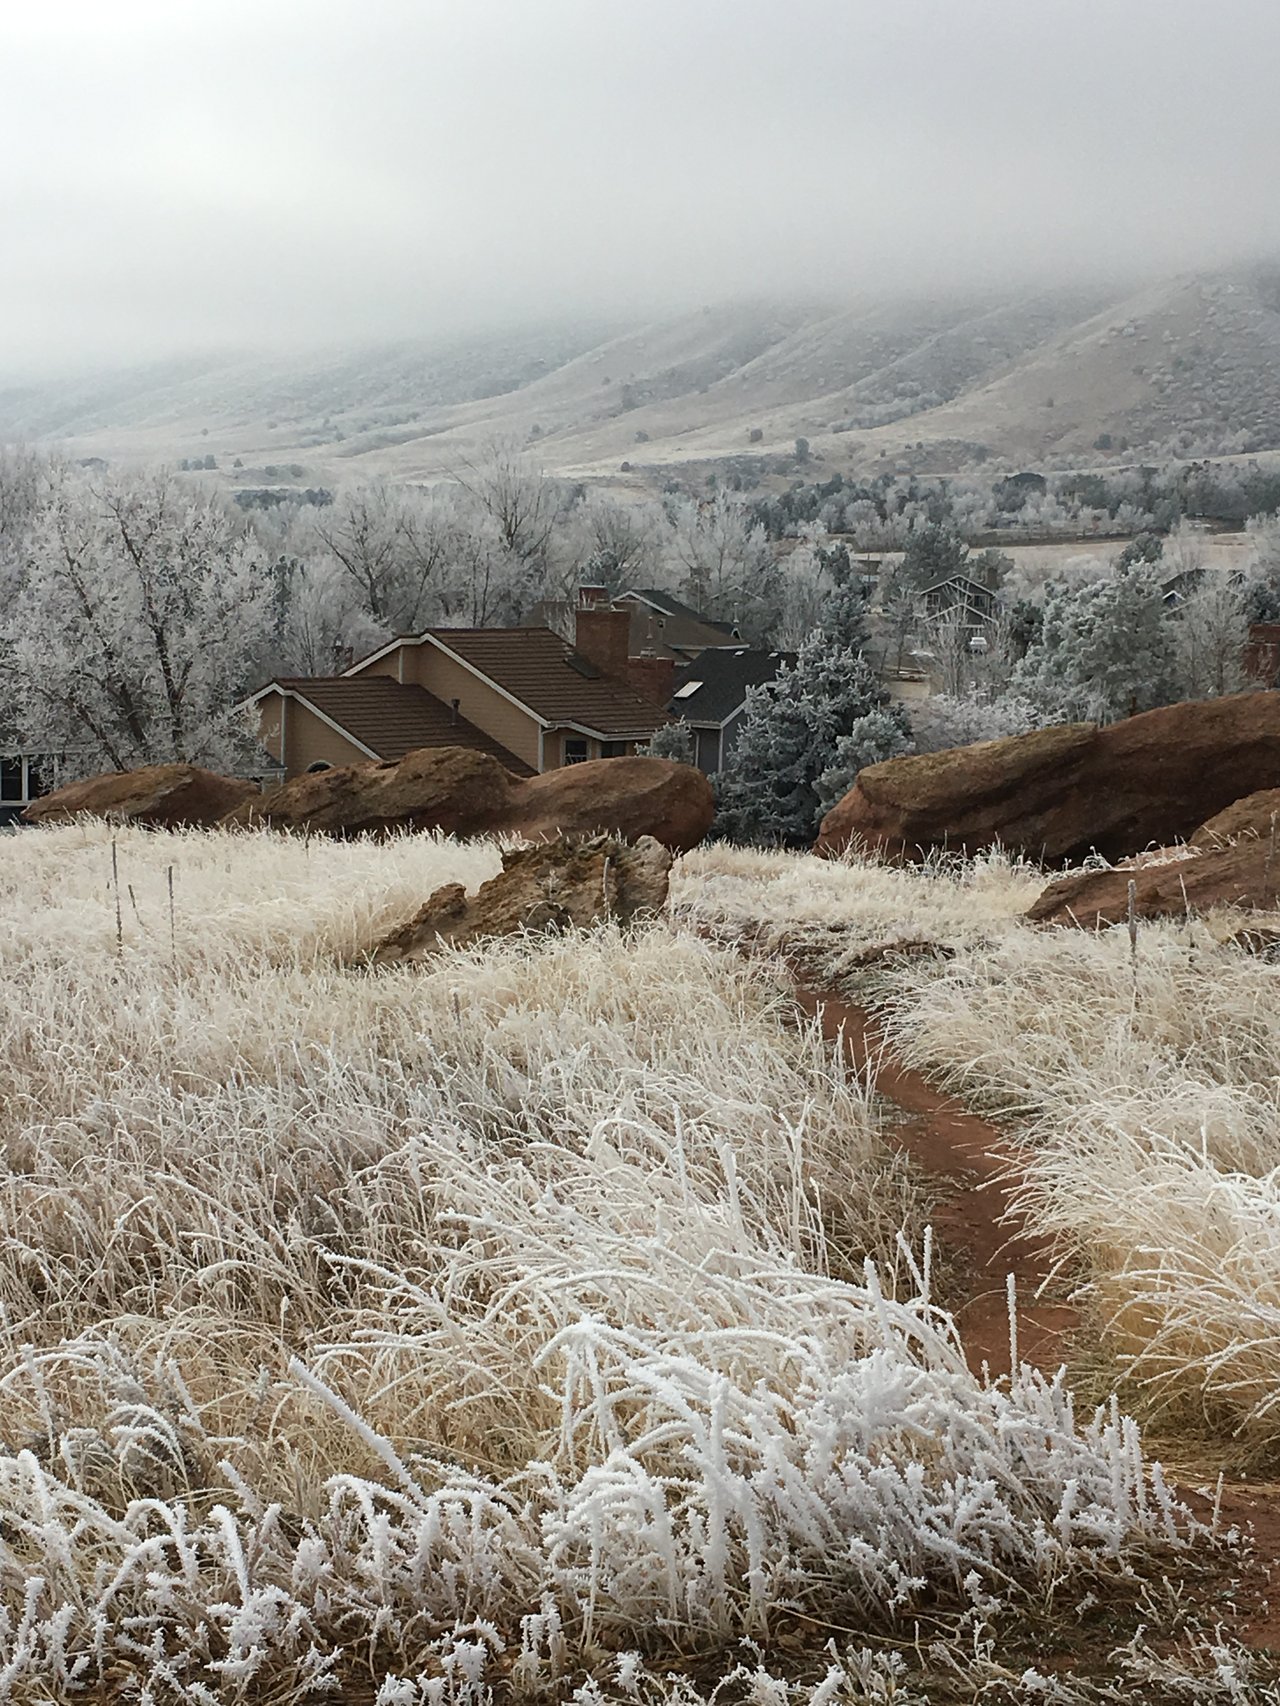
x,y
1105,650
791,733
881,734
844,609
934,553
672,740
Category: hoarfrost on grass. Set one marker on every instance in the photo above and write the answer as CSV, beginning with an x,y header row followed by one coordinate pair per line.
x,y
543,1300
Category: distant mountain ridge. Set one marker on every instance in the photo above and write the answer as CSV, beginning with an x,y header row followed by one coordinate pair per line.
x,y
1185,367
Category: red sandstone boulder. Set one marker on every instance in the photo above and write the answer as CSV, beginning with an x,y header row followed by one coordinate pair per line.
x,y
461,792
446,788
1257,815
163,796
629,797
550,887
1186,880
1056,794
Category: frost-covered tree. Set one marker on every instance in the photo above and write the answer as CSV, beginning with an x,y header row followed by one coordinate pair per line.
x,y
1211,628
944,720
672,740
1105,650
791,732
881,734
135,626
398,548
724,563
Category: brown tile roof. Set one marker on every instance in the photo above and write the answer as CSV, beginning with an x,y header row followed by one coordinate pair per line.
x,y
392,717
544,672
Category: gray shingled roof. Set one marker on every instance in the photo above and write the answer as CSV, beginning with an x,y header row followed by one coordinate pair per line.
x,y
723,676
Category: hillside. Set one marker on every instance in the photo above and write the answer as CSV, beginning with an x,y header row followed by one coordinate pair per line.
x,y
1189,366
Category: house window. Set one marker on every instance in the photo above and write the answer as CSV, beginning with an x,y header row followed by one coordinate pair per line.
x,y
11,789
575,750
613,749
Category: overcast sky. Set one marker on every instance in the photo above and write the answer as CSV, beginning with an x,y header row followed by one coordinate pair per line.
x,y
178,175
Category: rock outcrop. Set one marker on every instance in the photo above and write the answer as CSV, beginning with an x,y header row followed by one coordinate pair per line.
x,y
1257,815
550,886
1057,794
162,796
620,796
464,793
1186,880
447,788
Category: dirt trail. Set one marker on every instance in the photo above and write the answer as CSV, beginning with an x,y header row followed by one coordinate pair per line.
x,y
974,1223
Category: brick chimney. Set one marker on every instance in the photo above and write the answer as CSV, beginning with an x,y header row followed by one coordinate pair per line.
x,y
1262,653
653,678
602,633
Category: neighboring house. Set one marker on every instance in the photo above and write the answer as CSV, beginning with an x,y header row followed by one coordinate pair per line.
x,y
22,779
1262,653
662,626
523,695
711,696
979,603
1179,588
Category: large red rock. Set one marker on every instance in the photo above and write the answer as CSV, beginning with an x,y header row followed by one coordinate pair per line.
x,y
1255,815
461,792
629,797
164,796
1185,881
1057,794
446,788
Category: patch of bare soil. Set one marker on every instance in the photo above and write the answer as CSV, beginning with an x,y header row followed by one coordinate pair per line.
x,y
978,1165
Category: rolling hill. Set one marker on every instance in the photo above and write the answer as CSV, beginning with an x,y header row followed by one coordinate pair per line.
x,y
1182,367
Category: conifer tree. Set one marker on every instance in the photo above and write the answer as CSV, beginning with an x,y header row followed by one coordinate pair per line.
x,y
792,728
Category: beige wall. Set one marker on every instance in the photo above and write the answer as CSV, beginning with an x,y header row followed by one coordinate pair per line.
x,y
477,701
305,738
309,738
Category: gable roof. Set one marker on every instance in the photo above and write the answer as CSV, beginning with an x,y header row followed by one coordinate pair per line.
x,y
543,672
714,685
390,718
658,620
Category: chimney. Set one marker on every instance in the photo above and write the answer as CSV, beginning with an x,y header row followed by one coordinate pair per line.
x,y
602,633
1262,654
653,678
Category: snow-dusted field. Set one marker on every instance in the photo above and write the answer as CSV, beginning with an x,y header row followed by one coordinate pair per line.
x,y
546,1318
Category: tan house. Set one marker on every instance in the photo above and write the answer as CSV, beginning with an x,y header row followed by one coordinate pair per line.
x,y
524,695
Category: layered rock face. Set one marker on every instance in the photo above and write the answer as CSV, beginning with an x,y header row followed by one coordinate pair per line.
x,y
464,793
164,796
1058,794
551,886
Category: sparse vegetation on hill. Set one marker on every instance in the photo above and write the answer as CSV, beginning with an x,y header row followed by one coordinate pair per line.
x,y
1182,369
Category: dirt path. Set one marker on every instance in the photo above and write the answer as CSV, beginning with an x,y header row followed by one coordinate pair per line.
x,y
978,1164
974,1223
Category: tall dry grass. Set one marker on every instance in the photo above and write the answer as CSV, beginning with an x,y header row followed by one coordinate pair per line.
x,y
472,1321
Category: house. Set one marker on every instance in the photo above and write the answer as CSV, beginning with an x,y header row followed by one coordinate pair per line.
x,y
1262,653
711,696
662,626
978,603
525,696
22,780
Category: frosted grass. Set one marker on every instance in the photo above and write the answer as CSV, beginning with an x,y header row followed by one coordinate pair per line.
x,y
486,1321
